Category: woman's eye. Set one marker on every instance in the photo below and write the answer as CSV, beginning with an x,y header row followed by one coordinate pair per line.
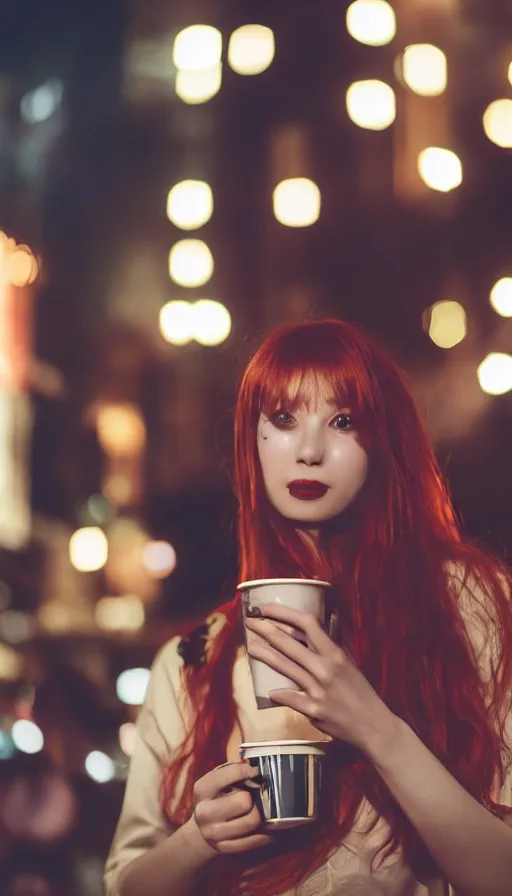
x,y
282,418
343,422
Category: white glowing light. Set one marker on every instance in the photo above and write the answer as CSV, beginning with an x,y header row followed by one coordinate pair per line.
x,y
251,49
99,767
495,373
131,686
371,104
197,47
497,122
211,322
501,297
440,169
425,69
297,202
27,737
190,263
88,549
176,322
371,22
198,87
190,204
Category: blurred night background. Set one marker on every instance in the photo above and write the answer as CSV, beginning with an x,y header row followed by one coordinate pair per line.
x,y
167,194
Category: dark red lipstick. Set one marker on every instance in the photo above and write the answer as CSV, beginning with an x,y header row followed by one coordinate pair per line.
x,y
307,489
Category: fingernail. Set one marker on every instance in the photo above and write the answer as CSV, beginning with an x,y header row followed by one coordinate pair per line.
x,y
252,611
243,761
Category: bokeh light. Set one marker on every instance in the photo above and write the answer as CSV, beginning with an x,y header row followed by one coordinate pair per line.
x,y
128,738
495,373
297,202
251,49
501,297
119,489
121,430
11,663
176,322
131,686
40,104
98,509
120,614
198,87
424,69
497,123
22,267
197,47
211,322
159,558
27,736
190,263
190,204
88,549
371,104
7,747
371,22
440,169
99,767
15,626
447,324
205,321
57,617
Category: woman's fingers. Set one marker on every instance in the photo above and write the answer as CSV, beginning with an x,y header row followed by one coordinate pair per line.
x,y
255,841
221,778
279,651
228,822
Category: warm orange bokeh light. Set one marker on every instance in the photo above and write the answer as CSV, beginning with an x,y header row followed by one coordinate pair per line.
x,y
22,267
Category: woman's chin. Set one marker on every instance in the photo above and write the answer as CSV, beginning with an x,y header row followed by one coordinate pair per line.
x,y
304,520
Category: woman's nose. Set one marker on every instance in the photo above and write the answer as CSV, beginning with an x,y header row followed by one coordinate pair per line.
x,y
311,450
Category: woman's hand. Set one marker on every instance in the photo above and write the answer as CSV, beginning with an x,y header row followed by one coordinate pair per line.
x,y
225,813
333,694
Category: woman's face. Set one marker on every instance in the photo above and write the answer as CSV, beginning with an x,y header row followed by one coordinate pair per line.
x,y
312,462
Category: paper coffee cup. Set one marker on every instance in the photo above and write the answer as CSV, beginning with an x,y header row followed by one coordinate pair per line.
x,y
307,595
287,789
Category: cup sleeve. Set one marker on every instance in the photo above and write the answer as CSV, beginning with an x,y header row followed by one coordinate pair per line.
x,y
160,730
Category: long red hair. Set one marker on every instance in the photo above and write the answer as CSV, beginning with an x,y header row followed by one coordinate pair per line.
x,y
388,557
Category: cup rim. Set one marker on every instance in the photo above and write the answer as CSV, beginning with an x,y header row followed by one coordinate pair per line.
x,y
256,582
318,744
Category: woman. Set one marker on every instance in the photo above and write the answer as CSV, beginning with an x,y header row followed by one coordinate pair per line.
x,y
412,694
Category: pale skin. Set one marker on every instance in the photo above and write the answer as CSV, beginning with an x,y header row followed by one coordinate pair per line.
x,y
315,443
470,845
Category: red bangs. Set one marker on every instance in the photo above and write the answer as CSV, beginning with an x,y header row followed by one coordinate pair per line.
x,y
299,375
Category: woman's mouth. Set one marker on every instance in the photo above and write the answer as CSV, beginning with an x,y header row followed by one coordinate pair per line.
x,y
307,489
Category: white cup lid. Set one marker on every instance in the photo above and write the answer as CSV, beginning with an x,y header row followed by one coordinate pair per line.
x,y
256,582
